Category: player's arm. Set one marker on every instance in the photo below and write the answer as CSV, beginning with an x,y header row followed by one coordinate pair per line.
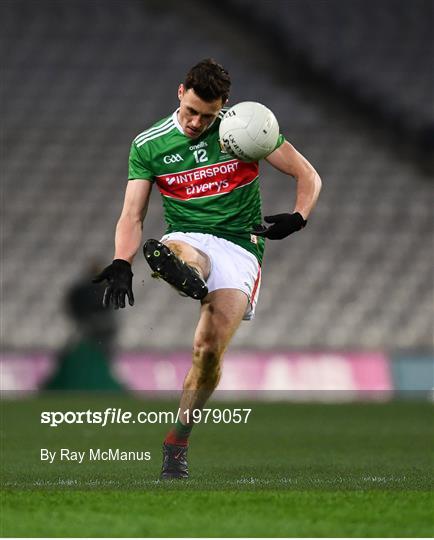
x,y
289,161
130,225
118,274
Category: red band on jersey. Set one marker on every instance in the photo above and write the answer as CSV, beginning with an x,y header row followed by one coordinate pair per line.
x,y
209,180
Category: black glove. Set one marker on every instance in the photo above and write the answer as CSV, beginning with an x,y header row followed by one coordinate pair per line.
x,y
120,282
283,226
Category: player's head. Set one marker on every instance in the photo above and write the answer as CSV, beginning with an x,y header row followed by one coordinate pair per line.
x,y
201,96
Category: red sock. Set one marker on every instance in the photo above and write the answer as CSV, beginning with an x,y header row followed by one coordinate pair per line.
x,y
178,435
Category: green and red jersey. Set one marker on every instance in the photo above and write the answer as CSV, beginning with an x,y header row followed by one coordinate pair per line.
x,y
204,189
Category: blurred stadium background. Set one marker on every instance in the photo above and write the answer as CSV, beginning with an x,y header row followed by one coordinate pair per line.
x,y
346,304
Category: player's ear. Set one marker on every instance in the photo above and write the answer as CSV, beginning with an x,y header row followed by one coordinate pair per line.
x,y
181,91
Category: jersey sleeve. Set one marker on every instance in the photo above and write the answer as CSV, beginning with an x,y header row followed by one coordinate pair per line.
x,y
138,164
280,141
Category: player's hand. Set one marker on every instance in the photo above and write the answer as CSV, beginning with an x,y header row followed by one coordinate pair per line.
x,y
282,226
119,283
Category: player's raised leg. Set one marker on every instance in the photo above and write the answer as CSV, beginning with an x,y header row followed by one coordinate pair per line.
x,y
221,314
190,255
181,265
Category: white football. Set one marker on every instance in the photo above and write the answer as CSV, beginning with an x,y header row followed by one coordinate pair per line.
x,y
249,131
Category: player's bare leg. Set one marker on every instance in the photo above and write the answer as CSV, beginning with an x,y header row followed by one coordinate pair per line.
x,y
179,264
192,256
221,314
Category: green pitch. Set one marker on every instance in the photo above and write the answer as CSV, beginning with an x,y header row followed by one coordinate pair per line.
x,y
293,470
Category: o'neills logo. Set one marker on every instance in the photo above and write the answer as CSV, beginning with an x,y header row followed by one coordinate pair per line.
x,y
208,180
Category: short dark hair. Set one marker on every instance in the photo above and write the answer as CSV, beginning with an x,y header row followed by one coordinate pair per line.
x,y
209,80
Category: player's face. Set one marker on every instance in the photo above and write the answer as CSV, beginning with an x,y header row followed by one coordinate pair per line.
x,y
195,114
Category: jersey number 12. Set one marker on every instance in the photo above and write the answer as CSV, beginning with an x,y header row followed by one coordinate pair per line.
x,y
200,155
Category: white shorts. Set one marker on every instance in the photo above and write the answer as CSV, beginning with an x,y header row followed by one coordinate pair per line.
x,y
232,267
